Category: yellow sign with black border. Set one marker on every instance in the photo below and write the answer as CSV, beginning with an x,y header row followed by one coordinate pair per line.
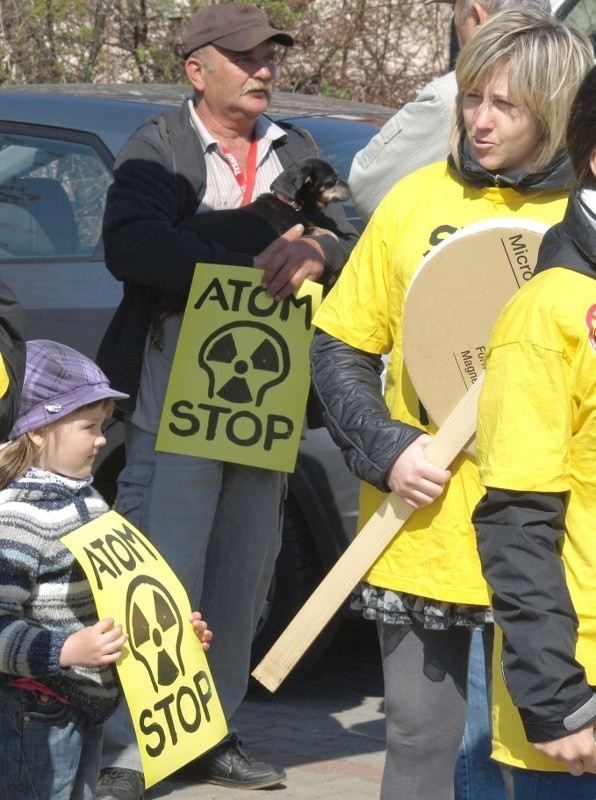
x,y
164,672
239,382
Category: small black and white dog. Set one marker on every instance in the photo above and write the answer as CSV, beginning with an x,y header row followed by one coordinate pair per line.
x,y
299,195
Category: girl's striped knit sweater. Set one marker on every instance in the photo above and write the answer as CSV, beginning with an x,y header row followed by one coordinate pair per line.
x,y
44,594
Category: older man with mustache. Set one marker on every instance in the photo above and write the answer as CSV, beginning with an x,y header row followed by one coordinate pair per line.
x,y
217,524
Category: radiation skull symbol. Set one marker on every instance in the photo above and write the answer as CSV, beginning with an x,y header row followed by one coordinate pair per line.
x,y
243,360
155,630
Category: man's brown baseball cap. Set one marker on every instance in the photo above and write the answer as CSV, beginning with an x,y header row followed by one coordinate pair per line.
x,y
233,26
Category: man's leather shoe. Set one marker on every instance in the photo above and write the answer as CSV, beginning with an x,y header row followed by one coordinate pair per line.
x,y
229,764
117,783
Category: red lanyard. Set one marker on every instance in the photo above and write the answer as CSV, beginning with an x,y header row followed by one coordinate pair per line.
x,y
245,182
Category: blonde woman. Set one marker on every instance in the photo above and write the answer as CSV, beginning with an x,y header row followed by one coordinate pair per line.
x,y
517,77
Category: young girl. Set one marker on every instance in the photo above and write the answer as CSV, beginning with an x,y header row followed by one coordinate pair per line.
x,y
57,680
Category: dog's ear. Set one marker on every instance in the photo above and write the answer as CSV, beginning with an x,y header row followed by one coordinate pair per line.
x,y
294,178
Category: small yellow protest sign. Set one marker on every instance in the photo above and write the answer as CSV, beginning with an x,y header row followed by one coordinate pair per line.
x,y
240,378
166,679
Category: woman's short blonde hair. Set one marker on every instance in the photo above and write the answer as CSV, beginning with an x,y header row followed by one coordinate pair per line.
x,y
547,62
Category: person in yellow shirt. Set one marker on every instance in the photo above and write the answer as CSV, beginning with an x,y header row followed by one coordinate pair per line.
x,y
12,358
536,446
516,77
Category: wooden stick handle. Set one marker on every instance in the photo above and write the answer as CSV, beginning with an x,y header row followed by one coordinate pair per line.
x,y
457,430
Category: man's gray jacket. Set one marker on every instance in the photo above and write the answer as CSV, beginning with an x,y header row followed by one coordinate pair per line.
x,y
415,136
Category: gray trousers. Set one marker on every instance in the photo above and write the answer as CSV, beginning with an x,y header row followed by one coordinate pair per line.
x,y
218,526
425,675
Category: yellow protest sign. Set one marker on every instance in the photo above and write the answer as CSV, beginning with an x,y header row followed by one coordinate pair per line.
x,y
240,378
166,679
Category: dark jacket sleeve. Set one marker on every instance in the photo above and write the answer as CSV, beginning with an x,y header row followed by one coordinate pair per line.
x,y
150,194
13,351
519,540
347,383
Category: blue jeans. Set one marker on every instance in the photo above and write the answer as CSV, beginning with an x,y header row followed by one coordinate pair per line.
x,y
477,776
530,784
49,751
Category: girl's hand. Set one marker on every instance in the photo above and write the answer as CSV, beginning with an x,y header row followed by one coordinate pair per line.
x,y
200,626
94,646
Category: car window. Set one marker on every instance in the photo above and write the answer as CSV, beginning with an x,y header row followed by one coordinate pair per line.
x,y
52,197
339,138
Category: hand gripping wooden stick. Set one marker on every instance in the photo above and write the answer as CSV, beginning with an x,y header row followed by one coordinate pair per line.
x,y
455,433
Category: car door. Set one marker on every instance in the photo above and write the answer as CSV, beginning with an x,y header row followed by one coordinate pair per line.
x,y
53,184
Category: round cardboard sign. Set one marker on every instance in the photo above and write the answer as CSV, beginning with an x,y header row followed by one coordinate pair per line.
x,y
453,302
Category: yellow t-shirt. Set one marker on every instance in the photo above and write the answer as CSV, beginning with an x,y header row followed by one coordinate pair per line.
x,y
435,553
4,379
537,433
